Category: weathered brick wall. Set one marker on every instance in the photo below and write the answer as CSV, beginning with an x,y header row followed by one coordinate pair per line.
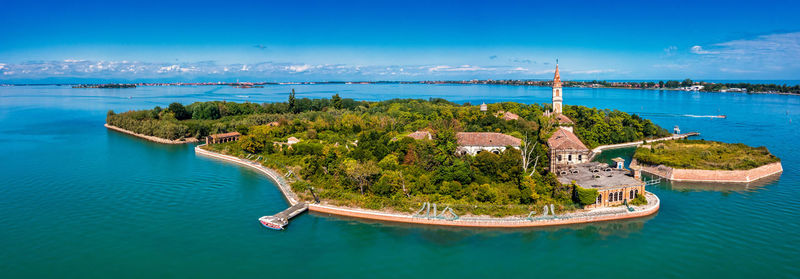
x,y
727,176
737,176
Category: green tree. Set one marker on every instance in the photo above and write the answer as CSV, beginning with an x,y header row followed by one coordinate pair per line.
x,y
360,172
251,145
337,101
180,111
292,104
389,162
206,111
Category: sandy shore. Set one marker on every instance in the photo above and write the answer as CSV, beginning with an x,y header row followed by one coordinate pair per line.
x,y
151,138
579,217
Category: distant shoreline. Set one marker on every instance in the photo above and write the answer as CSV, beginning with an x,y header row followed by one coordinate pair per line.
x,y
535,83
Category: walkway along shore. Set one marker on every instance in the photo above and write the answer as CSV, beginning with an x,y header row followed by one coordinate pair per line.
x,y
587,216
150,138
599,149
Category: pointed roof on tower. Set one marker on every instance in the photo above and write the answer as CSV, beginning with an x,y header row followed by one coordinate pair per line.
x,y
557,78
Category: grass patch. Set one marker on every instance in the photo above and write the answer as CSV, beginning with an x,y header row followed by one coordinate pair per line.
x,y
705,155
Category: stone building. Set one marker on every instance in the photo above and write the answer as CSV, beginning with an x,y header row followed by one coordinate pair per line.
x,y
614,186
566,150
470,143
220,138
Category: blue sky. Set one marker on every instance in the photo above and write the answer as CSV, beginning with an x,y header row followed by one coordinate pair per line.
x,y
397,40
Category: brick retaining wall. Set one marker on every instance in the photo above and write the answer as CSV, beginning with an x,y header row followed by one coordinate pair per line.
x,y
729,176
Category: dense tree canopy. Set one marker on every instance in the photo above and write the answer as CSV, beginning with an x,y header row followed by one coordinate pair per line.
x,y
357,153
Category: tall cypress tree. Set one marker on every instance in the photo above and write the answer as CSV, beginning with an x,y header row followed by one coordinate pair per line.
x,y
291,102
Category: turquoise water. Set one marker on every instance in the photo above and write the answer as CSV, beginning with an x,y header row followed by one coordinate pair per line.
x,y
78,201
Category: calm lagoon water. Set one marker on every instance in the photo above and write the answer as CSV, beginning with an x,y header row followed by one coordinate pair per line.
x,y
79,201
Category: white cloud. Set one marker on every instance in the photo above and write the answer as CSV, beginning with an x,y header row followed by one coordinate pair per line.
x,y
700,50
461,68
300,68
773,54
671,66
263,70
591,72
167,69
670,50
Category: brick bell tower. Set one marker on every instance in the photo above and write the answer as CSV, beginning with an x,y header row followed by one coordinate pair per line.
x,y
557,97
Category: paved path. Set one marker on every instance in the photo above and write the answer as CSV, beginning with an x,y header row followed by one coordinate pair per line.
x,y
600,149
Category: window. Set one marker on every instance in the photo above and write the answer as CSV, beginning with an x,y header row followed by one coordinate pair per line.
x,y
569,157
580,157
599,198
631,195
610,197
559,158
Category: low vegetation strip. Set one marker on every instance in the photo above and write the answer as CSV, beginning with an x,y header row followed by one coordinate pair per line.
x,y
704,155
151,138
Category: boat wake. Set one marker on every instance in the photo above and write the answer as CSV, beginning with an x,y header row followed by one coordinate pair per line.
x,y
680,115
704,116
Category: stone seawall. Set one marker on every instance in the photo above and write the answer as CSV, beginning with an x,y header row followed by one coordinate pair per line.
x,y
150,138
593,215
651,208
728,176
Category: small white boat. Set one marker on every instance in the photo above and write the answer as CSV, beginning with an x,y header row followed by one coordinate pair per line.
x,y
272,222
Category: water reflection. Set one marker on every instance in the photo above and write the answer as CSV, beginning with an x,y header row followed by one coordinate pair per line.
x,y
680,186
451,236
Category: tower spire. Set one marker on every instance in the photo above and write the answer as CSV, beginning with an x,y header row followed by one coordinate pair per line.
x,y
557,78
557,98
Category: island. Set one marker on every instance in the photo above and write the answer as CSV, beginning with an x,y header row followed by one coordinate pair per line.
x,y
422,161
706,161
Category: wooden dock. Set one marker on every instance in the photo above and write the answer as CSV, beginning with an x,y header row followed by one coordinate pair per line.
x,y
281,219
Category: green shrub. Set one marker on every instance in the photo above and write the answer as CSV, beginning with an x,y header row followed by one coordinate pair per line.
x,y
585,196
639,200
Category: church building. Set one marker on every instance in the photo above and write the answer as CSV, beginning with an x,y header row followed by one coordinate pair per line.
x,y
569,160
565,147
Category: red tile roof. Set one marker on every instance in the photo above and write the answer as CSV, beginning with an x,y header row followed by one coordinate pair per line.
x,y
486,139
563,139
563,119
225,135
506,115
418,135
